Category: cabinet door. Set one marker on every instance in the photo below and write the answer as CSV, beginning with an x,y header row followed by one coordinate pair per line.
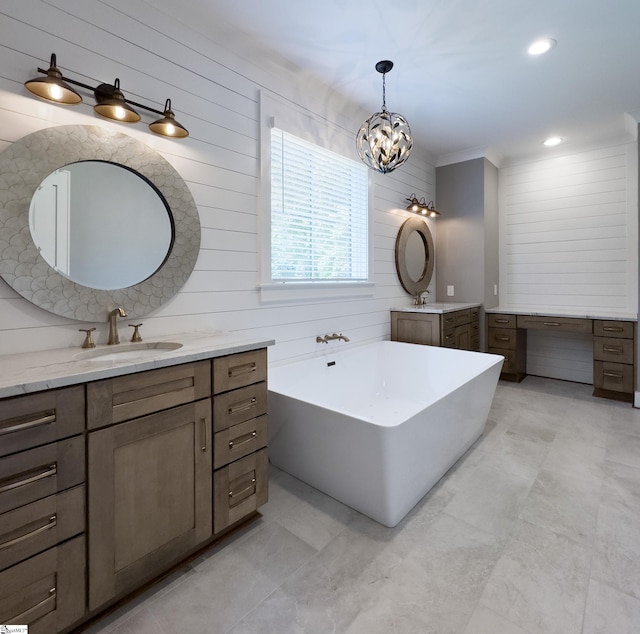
x,y
150,496
463,337
415,328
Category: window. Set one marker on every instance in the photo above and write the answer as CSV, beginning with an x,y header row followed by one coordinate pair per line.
x,y
319,213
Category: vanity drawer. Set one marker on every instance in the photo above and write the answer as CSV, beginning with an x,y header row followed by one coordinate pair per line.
x,y
46,592
134,395
40,418
508,365
462,317
502,338
448,321
612,349
616,377
239,405
560,324
498,320
240,489
238,370
32,528
618,329
37,473
239,440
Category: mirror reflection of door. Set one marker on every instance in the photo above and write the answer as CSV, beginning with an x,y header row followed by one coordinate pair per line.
x,y
415,255
101,224
49,220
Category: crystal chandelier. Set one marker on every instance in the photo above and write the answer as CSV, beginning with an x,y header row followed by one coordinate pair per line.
x,y
384,140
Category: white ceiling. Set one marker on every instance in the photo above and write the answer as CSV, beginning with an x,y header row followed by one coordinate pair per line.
x,y
462,76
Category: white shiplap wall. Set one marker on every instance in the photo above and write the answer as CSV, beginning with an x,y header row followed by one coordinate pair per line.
x,y
214,92
568,235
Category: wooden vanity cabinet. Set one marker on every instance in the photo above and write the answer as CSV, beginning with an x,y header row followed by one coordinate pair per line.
x,y
42,510
240,440
504,338
614,358
150,486
456,329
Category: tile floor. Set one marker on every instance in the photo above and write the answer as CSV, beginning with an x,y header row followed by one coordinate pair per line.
x,y
536,530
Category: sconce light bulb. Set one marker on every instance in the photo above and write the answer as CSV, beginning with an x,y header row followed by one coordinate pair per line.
x,y
171,129
56,92
119,112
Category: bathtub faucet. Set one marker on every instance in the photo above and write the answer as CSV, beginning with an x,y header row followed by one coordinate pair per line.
x,y
333,337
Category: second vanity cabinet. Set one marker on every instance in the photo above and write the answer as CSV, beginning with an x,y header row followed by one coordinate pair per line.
x,y
453,329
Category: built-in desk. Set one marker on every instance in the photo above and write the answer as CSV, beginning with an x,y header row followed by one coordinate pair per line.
x,y
614,344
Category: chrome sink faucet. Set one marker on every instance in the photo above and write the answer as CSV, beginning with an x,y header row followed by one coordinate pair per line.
x,y
333,337
113,325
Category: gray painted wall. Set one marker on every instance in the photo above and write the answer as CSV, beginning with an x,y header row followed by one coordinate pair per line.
x,y
467,236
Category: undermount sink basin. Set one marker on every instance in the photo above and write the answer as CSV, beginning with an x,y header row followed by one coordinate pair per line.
x,y
128,351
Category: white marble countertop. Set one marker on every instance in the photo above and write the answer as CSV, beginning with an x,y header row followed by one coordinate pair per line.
x,y
34,371
436,307
581,313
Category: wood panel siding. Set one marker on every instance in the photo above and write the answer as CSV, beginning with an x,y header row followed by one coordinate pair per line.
x,y
214,83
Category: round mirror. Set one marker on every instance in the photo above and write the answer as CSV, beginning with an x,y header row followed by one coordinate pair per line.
x,y
415,256
29,263
100,224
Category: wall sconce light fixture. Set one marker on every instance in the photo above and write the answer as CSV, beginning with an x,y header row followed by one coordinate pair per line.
x,y
384,140
110,101
421,207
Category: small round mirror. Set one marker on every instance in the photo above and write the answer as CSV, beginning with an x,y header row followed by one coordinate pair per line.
x,y
100,224
415,256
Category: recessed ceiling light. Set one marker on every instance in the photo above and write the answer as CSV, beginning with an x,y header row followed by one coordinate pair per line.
x,y
541,46
553,140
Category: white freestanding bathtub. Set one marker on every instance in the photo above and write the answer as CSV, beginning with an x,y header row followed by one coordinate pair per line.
x,y
376,426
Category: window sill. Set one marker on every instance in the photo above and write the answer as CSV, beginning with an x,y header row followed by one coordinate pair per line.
x,y
313,292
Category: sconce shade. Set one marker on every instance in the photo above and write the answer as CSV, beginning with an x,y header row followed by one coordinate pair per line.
x,y
384,140
421,207
168,126
53,87
110,102
112,105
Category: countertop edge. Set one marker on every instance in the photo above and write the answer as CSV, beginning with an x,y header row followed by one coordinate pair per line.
x,y
439,308
590,313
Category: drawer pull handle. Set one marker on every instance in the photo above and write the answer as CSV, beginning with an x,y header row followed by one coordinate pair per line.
x,y
551,323
47,473
246,368
51,523
251,486
26,616
242,407
502,337
613,329
36,422
613,350
204,434
233,443
501,321
614,375
449,336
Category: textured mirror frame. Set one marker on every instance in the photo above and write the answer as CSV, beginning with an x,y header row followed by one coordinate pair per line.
x,y
414,287
25,164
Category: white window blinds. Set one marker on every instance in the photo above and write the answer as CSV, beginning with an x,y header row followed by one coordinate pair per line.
x,y
319,213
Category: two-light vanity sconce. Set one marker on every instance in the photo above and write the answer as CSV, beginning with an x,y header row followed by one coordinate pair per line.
x,y
110,102
421,207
